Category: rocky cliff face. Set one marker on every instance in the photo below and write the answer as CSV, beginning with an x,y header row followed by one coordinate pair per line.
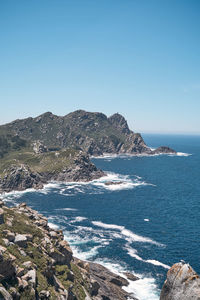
x,y
37,263
31,170
93,133
182,283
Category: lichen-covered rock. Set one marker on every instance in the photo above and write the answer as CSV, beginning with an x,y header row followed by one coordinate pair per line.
x,y
182,283
30,276
21,240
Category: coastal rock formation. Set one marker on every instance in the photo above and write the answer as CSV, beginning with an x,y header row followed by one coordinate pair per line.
x,y
41,168
20,178
37,263
163,150
93,133
182,283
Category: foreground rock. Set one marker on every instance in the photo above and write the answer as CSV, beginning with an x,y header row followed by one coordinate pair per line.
x,y
182,283
106,284
37,263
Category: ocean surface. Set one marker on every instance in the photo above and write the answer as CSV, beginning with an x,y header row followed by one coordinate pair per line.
x,y
143,225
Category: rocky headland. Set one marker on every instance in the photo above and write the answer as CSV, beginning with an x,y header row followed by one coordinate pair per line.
x,y
37,263
33,170
35,151
93,133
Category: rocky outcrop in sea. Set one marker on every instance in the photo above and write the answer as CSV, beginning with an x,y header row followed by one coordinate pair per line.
x,y
182,283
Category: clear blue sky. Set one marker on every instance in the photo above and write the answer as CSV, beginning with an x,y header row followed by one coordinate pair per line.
x,y
140,58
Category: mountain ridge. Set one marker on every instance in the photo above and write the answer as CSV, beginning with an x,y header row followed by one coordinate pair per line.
x,y
91,132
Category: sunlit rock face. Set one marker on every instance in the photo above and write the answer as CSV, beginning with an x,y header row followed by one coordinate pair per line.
x,y
182,283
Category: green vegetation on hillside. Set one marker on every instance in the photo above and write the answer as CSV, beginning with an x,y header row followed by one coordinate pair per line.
x,y
48,162
9,143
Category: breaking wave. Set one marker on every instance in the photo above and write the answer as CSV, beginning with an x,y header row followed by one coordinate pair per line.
x,y
133,253
128,234
183,154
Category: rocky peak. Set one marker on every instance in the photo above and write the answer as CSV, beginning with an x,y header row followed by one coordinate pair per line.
x,y
119,122
45,117
80,115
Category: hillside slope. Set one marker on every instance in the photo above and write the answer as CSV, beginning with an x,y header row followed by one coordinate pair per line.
x,y
93,133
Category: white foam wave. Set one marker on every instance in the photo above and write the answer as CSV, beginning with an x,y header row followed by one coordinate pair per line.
x,y
146,220
128,234
132,237
67,209
107,226
144,289
133,253
118,182
10,196
157,263
183,154
87,254
109,157
78,219
53,226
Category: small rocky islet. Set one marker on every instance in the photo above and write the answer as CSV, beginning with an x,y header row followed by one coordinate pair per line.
x,y
35,260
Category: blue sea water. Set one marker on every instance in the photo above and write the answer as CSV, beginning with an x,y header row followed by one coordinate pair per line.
x,y
143,225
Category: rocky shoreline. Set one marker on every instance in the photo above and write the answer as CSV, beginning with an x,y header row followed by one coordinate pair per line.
x,y
21,177
37,263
